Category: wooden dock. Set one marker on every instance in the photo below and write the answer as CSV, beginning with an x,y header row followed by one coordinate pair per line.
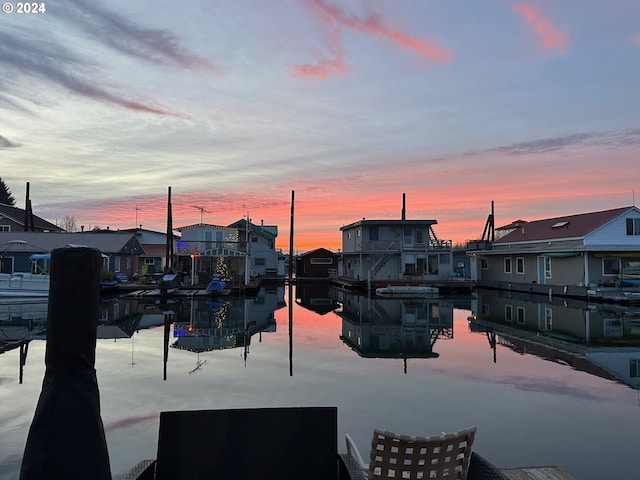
x,y
536,473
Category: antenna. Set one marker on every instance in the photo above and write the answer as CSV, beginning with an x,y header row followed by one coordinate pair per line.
x,y
137,210
202,211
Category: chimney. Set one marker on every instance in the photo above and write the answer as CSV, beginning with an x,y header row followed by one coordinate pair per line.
x,y
403,207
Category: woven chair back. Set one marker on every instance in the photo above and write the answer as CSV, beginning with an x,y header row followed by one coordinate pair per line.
x,y
443,456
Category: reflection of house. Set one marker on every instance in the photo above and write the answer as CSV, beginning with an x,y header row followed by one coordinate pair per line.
x,y
395,328
318,263
394,250
315,297
212,325
572,332
563,255
569,320
12,219
121,248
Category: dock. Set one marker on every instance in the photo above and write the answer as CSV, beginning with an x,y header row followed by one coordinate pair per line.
x,y
536,473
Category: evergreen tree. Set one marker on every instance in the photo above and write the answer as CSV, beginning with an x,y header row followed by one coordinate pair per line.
x,y
5,194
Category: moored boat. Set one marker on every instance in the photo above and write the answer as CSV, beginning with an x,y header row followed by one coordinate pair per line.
x,y
216,284
24,285
400,290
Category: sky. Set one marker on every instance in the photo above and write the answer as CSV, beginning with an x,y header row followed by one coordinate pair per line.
x,y
343,105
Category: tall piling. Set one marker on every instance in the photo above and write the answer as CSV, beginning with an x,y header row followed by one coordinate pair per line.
x,y
66,438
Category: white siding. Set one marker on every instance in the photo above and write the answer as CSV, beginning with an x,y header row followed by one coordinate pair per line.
x,y
614,233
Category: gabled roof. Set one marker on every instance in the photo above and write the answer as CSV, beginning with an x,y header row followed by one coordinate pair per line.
x,y
512,225
107,243
394,223
199,225
17,215
267,231
570,226
317,251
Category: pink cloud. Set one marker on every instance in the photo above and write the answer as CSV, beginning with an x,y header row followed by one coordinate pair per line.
x,y
374,25
332,17
552,37
324,69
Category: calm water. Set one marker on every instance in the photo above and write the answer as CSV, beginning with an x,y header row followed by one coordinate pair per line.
x,y
417,367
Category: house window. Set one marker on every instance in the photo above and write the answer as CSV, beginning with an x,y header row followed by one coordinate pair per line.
x,y
321,261
254,239
5,228
259,262
634,367
520,315
633,226
520,265
149,261
374,233
408,235
611,266
419,236
444,259
484,263
507,264
508,313
348,235
358,233
432,264
547,267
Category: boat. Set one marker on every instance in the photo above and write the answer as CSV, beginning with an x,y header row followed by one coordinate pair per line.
x,y
26,284
402,290
216,284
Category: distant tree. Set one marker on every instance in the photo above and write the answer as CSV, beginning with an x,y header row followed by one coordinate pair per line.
x,y
5,194
69,224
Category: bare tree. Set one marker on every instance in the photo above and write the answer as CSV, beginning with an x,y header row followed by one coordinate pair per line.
x,y
69,224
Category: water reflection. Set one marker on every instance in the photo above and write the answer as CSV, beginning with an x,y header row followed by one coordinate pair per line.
x,y
21,320
601,339
226,323
450,369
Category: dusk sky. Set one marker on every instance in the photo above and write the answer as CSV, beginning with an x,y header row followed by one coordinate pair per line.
x,y
350,103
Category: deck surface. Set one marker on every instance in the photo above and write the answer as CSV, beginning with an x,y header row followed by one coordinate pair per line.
x,y
536,473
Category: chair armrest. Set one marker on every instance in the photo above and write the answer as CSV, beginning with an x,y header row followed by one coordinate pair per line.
x,y
482,469
353,451
144,470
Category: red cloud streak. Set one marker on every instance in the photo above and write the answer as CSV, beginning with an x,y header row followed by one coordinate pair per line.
x,y
373,25
332,17
552,37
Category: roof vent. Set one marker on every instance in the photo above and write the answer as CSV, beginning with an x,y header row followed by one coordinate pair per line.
x,y
559,224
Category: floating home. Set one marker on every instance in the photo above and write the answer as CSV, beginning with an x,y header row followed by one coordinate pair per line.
x,y
596,253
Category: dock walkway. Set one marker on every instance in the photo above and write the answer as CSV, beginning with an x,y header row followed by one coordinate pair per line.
x,y
535,473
